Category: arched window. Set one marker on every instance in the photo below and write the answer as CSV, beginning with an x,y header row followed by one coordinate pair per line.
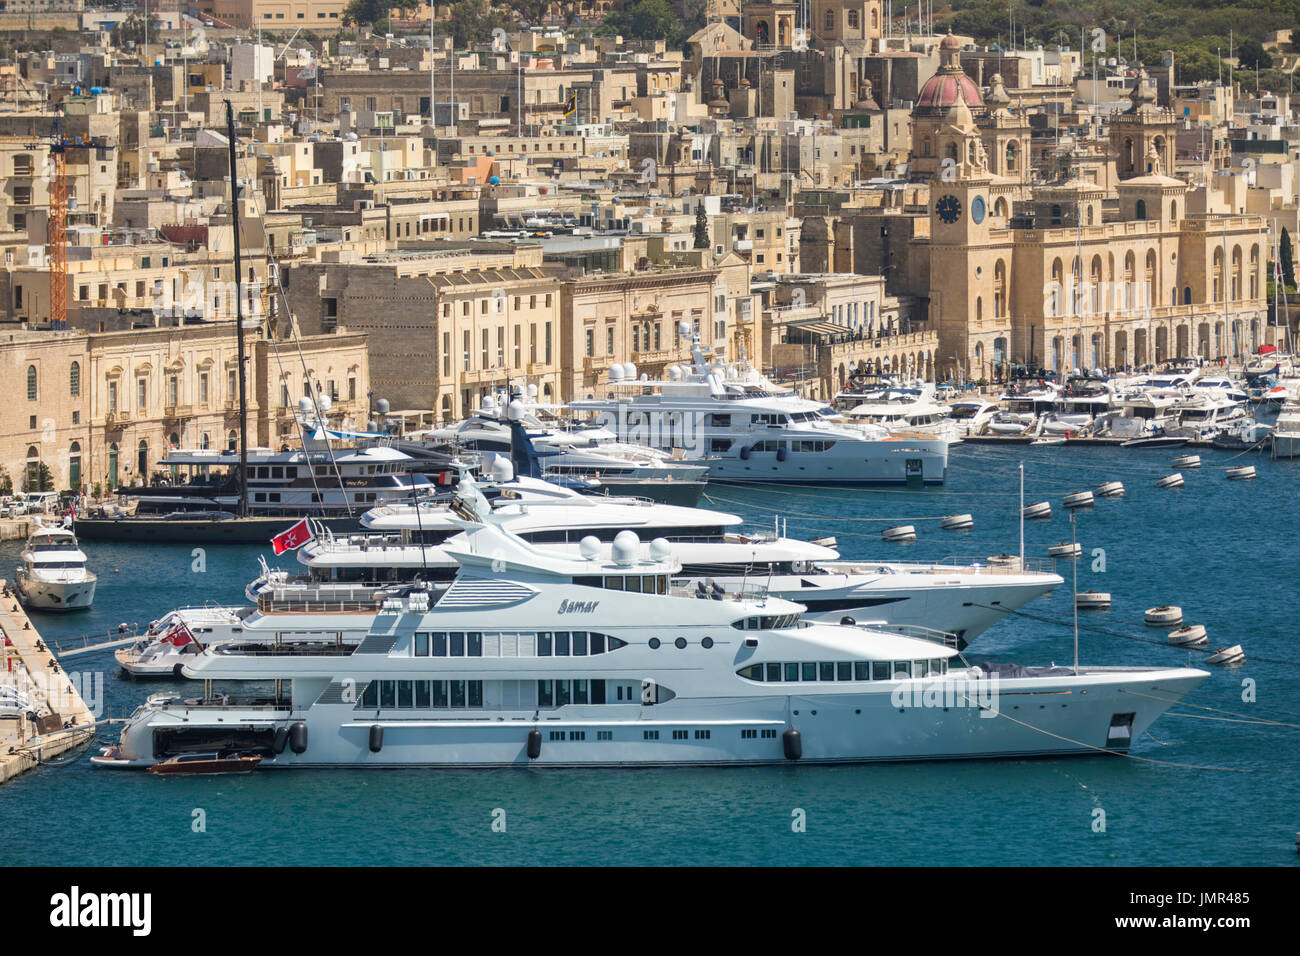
x,y
74,467
1187,295
1012,150
232,440
206,442
33,481
74,379
142,460
1173,210
853,19
31,383
1141,211
112,467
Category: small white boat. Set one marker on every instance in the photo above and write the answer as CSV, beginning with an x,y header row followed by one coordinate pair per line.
x,y
1065,549
1187,461
1080,499
1227,656
1092,600
1049,441
53,575
1167,615
1039,509
1241,473
1110,489
957,523
902,532
1190,635
1170,481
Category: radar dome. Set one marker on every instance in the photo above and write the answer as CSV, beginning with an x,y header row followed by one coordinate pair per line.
x,y
489,404
616,372
674,373
515,410
304,405
381,406
626,545
660,549
683,328
629,370
589,547
532,389
502,470
324,403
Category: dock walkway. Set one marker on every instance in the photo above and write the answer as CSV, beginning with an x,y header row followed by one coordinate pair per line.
x,y
63,721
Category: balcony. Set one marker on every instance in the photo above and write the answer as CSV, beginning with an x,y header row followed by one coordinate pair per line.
x,y
177,412
116,419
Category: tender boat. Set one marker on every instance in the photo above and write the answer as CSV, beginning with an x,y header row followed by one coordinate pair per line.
x,y
207,763
53,575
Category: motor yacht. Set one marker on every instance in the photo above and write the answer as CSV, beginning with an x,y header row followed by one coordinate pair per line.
x,y
53,575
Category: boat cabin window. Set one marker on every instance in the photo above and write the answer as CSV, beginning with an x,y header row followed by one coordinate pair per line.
x,y
637,583
718,420
765,622
812,446
405,694
805,671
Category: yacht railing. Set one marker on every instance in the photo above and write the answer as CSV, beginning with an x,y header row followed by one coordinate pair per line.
x,y
946,638
961,564
320,600
733,592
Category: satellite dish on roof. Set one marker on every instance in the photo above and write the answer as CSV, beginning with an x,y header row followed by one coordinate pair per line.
x,y
589,547
626,545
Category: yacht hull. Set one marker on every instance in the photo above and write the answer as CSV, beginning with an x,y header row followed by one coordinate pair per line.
x,y
902,720
54,595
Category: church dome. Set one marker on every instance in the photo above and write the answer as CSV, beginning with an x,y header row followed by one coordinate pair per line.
x,y
946,89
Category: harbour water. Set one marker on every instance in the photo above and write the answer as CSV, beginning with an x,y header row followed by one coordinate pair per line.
x,y
1210,792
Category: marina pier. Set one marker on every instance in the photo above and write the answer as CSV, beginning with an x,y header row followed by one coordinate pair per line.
x,y
63,721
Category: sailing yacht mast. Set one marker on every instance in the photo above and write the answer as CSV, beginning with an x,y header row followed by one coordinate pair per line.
x,y
239,318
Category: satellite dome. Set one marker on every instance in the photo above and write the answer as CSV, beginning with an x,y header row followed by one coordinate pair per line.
x,y
515,410
489,404
381,406
616,372
674,373
589,547
502,470
660,549
629,370
532,390
626,545
683,328
324,403
304,405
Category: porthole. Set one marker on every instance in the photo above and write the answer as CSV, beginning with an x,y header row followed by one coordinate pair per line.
x,y
654,643
706,643
680,643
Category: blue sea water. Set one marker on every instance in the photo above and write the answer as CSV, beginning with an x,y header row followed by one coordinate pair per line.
x,y
1225,551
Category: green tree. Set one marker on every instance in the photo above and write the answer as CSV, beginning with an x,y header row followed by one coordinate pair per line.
x,y
1287,254
6,483
701,227
1252,55
646,21
359,12
472,22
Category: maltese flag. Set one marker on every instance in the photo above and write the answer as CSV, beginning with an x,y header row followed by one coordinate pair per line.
x,y
294,537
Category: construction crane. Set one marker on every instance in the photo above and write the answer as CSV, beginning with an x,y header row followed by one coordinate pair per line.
x,y
57,228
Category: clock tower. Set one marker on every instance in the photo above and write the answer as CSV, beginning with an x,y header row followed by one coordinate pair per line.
x,y
970,254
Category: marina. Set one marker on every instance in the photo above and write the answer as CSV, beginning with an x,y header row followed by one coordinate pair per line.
x,y
983,481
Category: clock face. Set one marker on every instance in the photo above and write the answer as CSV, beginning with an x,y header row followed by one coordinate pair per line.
x,y
948,209
977,209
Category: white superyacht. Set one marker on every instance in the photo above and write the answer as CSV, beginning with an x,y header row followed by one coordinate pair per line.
x,y
53,575
754,432
535,659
